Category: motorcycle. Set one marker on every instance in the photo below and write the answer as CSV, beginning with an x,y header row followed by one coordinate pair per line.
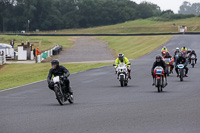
x,y
164,53
168,62
181,71
176,57
122,73
193,58
61,95
184,53
159,78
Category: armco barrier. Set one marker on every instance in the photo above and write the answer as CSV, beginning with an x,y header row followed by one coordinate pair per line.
x,y
139,34
54,51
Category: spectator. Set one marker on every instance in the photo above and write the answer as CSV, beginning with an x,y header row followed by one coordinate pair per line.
x,y
14,55
38,52
2,53
28,43
34,52
22,43
12,43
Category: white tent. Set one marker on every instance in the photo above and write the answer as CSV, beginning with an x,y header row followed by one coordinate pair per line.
x,y
4,46
8,50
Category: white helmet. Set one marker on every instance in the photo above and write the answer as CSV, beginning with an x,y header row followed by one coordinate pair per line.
x,y
177,49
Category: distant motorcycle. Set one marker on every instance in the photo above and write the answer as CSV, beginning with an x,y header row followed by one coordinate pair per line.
x,y
176,57
122,73
184,53
193,58
168,63
160,81
181,71
61,95
163,53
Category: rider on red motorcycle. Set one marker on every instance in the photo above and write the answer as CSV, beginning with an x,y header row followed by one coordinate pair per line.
x,y
158,62
163,51
172,60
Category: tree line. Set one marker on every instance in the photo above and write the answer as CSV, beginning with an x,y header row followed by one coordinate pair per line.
x,y
17,15
188,8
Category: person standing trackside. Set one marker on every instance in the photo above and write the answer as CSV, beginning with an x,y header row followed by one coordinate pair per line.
x,y
12,43
22,43
34,52
37,52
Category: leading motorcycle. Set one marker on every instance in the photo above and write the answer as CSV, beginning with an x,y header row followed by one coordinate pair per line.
x,y
122,73
61,95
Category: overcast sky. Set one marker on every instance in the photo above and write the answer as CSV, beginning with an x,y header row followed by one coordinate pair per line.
x,y
168,4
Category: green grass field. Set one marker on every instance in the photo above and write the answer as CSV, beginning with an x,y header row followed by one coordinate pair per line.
x,y
13,75
135,46
43,43
138,26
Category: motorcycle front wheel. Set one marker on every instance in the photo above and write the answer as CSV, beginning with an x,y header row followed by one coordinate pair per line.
x,y
122,83
181,75
71,99
59,96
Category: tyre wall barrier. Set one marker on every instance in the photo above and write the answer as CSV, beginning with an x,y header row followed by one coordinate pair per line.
x,y
54,51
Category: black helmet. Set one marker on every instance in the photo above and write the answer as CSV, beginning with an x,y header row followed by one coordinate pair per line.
x,y
121,56
55,62
180,54
193,51
158,57
183,47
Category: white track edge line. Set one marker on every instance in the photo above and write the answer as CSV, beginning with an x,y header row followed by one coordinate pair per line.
x,y
42,81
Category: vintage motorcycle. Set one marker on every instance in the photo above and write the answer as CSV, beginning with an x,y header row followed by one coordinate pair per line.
x,y
159,78
122,73
61,95
181,71
193,58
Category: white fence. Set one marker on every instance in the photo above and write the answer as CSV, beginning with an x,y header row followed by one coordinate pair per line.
x,y
2,60
45,54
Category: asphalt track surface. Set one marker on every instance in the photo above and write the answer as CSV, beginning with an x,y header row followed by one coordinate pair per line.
x,y
87,49
102,106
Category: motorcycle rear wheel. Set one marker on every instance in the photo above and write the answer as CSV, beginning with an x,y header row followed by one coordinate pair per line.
x,y
192,65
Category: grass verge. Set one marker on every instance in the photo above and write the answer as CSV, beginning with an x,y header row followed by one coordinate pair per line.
x,y
135,46
149,25
43,43
13,75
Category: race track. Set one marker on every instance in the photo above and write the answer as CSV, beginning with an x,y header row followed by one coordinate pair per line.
x,y
102,106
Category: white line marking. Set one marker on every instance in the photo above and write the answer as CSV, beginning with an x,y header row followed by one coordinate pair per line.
x,y
43,80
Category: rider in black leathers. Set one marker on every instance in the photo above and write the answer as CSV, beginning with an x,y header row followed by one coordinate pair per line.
x,y
181,60
58,70
159,62
189,57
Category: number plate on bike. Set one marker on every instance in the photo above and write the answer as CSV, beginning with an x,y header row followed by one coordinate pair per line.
x,y
159,72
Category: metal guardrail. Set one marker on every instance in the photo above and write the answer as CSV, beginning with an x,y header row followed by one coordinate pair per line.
x,y
126,34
